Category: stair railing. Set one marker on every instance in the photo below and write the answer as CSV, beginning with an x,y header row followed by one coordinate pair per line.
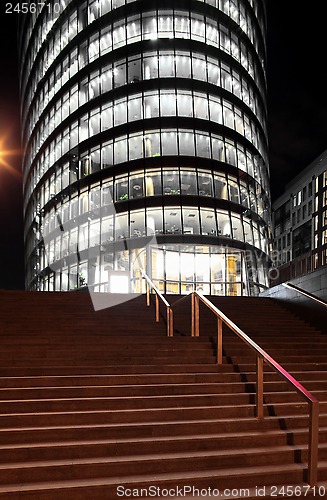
x,y
304,292
261,357
150,287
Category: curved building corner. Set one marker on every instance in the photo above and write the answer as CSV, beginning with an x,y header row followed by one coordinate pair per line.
x,y
146,120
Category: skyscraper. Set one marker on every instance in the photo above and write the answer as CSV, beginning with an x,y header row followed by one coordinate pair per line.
x,y
146,119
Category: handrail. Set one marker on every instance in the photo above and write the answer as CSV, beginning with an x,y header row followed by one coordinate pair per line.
x,y
169,312
304,292
261,357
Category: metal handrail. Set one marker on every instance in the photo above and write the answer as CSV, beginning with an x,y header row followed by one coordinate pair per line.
x,y
169,312
261,357
304,292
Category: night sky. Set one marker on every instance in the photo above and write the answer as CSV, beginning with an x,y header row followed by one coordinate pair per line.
x,y
297,114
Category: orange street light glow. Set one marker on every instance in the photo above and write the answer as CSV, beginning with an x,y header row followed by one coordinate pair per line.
x,y
6,155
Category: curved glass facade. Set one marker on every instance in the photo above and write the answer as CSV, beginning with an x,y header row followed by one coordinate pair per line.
x,y
142,122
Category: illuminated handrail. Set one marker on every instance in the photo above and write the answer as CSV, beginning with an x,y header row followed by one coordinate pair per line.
x,y
261,357
169,312
304,292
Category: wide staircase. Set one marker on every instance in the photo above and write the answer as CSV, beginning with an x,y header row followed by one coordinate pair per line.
x,y
103,405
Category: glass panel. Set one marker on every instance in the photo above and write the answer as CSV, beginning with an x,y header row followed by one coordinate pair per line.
x,y
153,183
208,222
137,224
224,227
188,182
191,223
154,221
172,220
171,182
205,184
220,187
136,185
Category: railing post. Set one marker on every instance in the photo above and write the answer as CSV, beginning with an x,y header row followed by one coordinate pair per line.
x,y
196,315
220,342
193,314
170,322
157,309
148,302
259,388
141,282
313,444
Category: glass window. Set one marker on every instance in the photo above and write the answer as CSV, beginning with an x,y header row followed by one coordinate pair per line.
x,y
172,216
233,191
205,184
208,222
134,69
202,268
120,112
200,106
120,150
107,193
216,110
107,230
171,181
186,143
184,104
135,146
136,185
94,233
213,72
134,29
152,144
203,144
95,122
199,68
182,25
150,67
153,183
183,66
106,117
228,114
151,104
154,220
237,228
137,224
191,223
107,154
248,236
220,187
224,226
169,143
150,30
107,79
121,226
121,188
119,34
168,103
188,182
119,73
166,64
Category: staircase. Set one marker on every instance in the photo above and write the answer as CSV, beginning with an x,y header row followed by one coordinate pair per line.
x,y
92,401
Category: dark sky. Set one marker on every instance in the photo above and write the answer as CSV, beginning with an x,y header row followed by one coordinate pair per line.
x,y
297,113
297,106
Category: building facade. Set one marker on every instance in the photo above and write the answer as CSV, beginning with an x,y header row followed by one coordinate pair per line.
x,y
300,222
146,119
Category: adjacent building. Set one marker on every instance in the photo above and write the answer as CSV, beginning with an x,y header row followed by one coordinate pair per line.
x,y
300,223
146,119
